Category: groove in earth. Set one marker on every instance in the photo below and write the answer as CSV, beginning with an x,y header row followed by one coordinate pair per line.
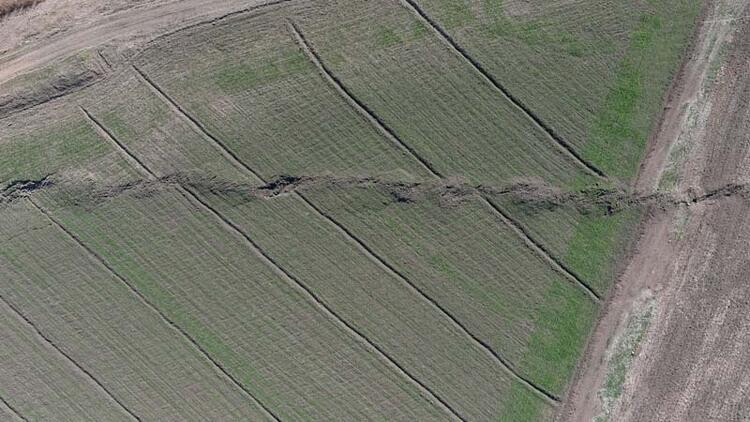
x,y
193,197
363,247
540,249
59,350
217,19
374,119
196,125
541,124
142,167
355,103
325,309
12,409
390,134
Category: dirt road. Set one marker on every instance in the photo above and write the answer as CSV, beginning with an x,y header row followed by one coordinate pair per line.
x,y
124,27
693,262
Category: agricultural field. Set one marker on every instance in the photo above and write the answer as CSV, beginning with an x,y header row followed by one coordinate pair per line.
x,y
322,210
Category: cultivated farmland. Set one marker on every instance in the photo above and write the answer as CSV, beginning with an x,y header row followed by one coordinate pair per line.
x,y
323,210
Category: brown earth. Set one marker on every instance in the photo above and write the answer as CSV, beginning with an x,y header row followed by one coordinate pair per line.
x,y
694,363
52,31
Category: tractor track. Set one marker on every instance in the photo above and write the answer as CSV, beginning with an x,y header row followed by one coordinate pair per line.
x,y
383,128
12,409
138,164
346,233
57,348
194,197
558,140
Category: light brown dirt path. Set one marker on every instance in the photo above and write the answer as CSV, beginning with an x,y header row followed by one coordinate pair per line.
x,y
665,252
128,26
695,365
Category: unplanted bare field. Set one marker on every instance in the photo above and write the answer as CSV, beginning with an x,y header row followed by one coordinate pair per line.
x,y
164,259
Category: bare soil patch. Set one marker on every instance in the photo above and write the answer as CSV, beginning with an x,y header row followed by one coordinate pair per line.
x,y
53,31
692,365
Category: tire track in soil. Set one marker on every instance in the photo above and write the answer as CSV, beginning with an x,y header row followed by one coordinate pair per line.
x,y
12,410
373,119
304,290
143,169
58,349
564,146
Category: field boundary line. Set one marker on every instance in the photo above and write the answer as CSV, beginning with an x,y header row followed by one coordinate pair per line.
x,y
359,243
361,108
59,350
141,167
540,249
194,124
561,143
4,403
532,244
295,283
318,303
536,246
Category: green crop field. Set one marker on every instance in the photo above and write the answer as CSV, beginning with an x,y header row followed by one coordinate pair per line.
x,y
302,212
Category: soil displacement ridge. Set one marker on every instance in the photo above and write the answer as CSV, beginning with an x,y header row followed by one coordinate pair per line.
x,y
359,243
568,149
192,196
380,125
528,195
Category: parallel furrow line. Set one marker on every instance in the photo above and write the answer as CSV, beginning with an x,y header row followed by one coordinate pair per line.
x,y
141,166
561,143
59,350
12,409
360,107
295,283
535,246
540,249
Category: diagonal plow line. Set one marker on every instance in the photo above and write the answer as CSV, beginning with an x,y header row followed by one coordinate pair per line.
x,y
535,245
540,249
360,107
300,287
106,134
59,350
12,410
381,127
351,237
566,148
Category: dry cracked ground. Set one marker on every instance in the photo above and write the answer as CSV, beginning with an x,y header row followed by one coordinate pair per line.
x,y
375,210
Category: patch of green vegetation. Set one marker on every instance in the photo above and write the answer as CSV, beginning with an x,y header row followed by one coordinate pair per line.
x,y
595,244
562,325
418,29
631,108
623,354
523,406
387,37
47,151
237,77
456,13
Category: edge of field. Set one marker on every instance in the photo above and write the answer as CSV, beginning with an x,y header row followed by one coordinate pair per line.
x,y
616,306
